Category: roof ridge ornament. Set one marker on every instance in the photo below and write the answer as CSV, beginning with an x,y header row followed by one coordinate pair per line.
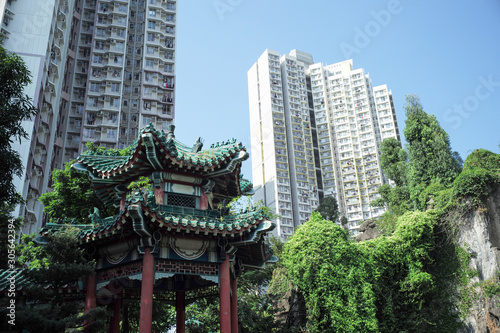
x,y
170,133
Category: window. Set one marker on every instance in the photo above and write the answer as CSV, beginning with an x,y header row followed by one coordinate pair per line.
x,y
115,87
100,32
149,63
149,77
150,50
113,102
94,87
151,37
120,46
168,68
111,134
151,24
152,13
118,60
181,200
97,59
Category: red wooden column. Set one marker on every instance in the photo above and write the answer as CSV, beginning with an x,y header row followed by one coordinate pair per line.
x,y
180,305
148,278
114,325
90,299
225,297
234,306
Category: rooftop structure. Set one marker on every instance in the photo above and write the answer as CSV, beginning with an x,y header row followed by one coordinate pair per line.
x,y
171,237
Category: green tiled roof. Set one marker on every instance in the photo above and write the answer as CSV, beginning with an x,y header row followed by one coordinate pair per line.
x,y
188,220
173,151
22,281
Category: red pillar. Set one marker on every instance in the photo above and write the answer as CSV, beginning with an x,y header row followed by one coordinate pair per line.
x,y
180,305
114,325
234,307
90,299
148,277
225,297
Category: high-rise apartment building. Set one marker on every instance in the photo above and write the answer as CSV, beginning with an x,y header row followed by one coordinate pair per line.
x,y
102,69
316,132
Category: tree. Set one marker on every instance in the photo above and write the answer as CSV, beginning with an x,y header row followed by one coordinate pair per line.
x,y
344,221
73,197
429,153
393,161
334,277
329,209
14,107
56,264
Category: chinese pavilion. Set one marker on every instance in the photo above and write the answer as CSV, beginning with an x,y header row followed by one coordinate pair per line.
x,y
173,240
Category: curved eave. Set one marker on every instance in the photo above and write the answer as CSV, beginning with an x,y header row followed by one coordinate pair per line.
x,y
239,229
214,162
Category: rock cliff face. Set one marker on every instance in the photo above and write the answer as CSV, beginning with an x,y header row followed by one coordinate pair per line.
x,y
480,235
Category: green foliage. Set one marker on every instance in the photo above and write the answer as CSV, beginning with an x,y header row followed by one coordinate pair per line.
x,y
329,209
343,221
73,198
396,199
491,287
485,159
334,277
164,316
436,193
58,263
429,152
387,222
475,184
15,106
206,311
388,284
30,254
142,182
93,149
480,175
393,161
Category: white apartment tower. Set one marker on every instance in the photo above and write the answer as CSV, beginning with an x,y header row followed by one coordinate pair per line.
x,y
102,69
316,132
283,167
352,119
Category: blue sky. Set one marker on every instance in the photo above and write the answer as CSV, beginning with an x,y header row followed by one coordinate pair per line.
x,y
446,52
